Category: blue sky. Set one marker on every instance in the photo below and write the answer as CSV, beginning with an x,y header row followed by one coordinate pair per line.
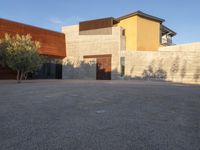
x,y
183,16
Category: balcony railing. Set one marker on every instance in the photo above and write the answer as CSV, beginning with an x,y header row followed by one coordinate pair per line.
x,y
166,41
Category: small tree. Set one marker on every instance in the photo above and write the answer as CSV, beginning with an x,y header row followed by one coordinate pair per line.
x,y
21,54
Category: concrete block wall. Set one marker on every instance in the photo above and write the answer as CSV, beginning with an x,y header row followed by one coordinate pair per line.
x,y
79,46
190,47
179,63
102,31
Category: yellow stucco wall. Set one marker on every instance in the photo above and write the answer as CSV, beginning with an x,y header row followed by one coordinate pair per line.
x,y
130,26
141,34
148,35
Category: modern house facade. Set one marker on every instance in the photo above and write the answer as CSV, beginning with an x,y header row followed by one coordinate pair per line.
x,y
52,45
107,41
134,46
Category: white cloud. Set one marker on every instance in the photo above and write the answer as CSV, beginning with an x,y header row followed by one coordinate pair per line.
x,y
56,21
66,21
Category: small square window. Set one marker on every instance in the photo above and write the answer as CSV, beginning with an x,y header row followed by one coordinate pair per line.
x,y
123,32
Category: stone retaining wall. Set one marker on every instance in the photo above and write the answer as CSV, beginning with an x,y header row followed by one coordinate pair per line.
x,y
179,63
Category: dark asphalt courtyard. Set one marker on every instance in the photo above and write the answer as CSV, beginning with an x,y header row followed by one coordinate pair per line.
x,y
99,115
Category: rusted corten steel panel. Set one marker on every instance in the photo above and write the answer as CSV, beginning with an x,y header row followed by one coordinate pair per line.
x,y
96,56
52,43
103,66
96,24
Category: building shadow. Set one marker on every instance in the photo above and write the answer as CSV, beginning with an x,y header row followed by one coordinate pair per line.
x,y
87,70
155,72
197,74
183,70
174,67
79,70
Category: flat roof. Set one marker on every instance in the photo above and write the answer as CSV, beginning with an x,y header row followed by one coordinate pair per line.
x,y
111,18
30,25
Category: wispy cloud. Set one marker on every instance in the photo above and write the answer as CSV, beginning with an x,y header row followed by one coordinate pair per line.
x,y
56,21
66,21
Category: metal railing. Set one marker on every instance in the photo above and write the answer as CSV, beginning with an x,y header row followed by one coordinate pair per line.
x,y
167,41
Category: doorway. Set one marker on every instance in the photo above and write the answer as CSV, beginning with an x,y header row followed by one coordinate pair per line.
x,y
103,66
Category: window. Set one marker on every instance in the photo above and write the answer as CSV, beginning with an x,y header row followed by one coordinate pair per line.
x,y
123,32
122,65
